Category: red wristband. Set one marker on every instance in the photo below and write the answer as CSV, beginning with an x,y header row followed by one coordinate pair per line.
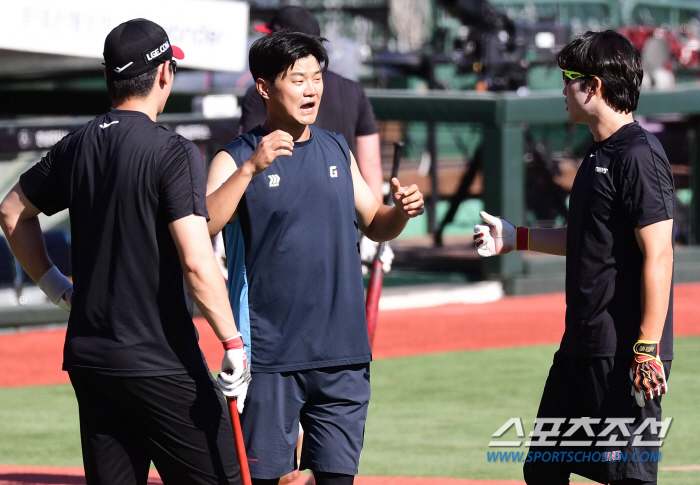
x,y
522,238
233,343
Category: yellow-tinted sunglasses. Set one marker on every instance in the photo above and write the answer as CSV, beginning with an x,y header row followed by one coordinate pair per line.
x,y
573,75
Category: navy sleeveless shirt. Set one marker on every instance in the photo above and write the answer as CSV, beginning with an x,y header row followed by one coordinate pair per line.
x,y
295,280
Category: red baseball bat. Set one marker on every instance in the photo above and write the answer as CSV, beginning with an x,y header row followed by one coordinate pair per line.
x,y
240,444
376,277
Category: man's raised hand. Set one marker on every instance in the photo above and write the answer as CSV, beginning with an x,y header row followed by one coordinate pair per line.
x,y
276,144
497,237
409,200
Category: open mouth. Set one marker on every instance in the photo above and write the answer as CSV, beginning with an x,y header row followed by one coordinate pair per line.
x,y
308,108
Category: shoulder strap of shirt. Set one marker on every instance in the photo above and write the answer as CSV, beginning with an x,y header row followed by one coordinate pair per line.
x,y
338,138
241,148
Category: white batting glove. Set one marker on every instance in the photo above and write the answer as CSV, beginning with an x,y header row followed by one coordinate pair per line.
x,y
497,237
57,287
66,301
368,249
235,373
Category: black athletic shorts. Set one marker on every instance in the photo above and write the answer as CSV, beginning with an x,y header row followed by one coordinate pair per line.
x,y
597,388
179,422
331,405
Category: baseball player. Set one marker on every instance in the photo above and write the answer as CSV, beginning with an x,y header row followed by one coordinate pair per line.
x,y
346,110
291,199
137,202
615,355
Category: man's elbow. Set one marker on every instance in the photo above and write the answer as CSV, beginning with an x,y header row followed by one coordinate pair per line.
x,y
662,259
193,265
668,257
8,218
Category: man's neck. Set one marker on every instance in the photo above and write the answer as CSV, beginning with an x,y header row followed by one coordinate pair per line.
x,y
143,105
608,124
298,132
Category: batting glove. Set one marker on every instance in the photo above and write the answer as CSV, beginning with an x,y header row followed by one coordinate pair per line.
x,y
647,372
57,287
235,373
499,236
368,250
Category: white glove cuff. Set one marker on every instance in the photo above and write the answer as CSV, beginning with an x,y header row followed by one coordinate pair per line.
x,y
54,284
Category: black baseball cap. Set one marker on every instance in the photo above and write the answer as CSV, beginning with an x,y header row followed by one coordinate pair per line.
x,y
297,19
135,47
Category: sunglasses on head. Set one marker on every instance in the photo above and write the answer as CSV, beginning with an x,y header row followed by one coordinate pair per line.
x,y
573,75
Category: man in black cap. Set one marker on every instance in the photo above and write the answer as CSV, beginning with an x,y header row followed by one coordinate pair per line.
x,y
136,196
345,110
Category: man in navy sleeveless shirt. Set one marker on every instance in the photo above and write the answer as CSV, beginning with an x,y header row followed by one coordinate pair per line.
x,y
345,110
291,198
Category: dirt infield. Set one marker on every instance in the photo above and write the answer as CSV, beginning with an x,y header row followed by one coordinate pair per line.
x,y
509,322
513,321
26,475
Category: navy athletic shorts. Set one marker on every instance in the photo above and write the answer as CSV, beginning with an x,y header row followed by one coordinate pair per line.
x,y
179,422
595,387
331,405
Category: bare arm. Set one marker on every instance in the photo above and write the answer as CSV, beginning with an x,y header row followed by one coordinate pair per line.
x,y
369,161
380,222
549,241
202,273
655,241
225,187
499,236
20,223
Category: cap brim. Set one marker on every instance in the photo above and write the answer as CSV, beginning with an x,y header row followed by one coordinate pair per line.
x,y
177,52
263,28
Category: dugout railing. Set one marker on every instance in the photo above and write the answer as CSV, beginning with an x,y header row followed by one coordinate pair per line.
x,y
504,117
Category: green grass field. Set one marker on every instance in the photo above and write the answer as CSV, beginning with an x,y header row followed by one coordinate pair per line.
x,y
429,416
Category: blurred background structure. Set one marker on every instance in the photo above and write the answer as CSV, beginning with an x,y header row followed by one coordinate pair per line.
x,y
471,86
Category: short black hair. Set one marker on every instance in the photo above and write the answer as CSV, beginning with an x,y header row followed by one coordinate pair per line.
x,y
273,54
135,87
612,58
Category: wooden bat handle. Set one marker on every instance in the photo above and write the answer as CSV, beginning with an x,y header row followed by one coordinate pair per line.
x,y
374,291
376,277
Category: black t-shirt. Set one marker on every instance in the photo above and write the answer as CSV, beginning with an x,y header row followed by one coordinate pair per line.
x,y
623,183
124,178
344,109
